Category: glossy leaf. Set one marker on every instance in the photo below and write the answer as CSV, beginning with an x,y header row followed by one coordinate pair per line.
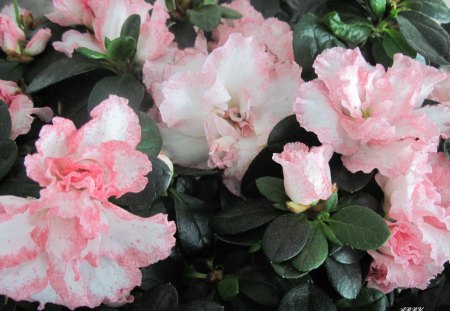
x,y
228,287
8,155
369,299
5,121
346,279
306,297
206,17
151,140
314,252
272,188
435,9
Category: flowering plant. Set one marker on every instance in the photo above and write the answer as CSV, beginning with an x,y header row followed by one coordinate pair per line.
x,y
224,155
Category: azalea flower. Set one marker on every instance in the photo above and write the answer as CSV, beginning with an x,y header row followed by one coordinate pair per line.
x,y
21,108
12,36
72,246
373,117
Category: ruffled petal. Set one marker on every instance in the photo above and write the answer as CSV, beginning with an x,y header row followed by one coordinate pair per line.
x,y
38,42
72,39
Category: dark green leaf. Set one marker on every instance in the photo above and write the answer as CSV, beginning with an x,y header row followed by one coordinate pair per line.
x,y
124,86
331,203
268,8
288,130
359,198
192,222
248,238
447,148
306,297
435,9
346,180
311,37
184,33
285,237
62,69
161,297
329,234
131,27
394,42
228,287
369,299
287,271
158,181
5,121
17,183
258,285
170,4
10,71
90,53
272,188
185,171
346,279
378,7
200,305
229,13
122,49
354,33
347,255
151,141
8,155
206,17
425,36
314,252
243,217
359,227
159,273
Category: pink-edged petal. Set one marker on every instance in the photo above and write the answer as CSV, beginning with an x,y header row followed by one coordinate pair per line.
x,y
38,42
439,176
72,39
135,241
316,113
10,35
112,119
20,110
439,115
71,12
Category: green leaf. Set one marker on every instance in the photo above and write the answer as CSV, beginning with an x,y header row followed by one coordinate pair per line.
x,y
394,42
8,155
306,297
192,217
244,216
314,252
186,171
425,36
378,7
229,13
346,180
62,69
359,227
131,27
17,183
272,188
268,8
228,287
285,237
354,33
447,148
379,54
331,204
248,238
347,255
161,297
346,279
10,71
5,121
206,17
159,180
200,305
151,141
311,37
287,271
359,198
289,130
170,4
329,234
258,284
369,299
90,53
124,86
435,9
122,49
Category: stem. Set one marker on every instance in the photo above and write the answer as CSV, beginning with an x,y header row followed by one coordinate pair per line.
x,y
195,275
17,14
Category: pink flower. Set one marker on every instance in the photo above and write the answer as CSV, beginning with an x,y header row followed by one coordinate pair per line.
x,y
72,12
307,176
108,17
99,158
418,204
69,249
372,117
228,104
12,37
275,34
21,108
440,92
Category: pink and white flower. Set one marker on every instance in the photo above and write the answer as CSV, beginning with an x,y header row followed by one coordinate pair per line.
x,y
12,37
72,246
371,116
441,91
108,17
418,204
227,105
306,171
21,108
273,33
72,12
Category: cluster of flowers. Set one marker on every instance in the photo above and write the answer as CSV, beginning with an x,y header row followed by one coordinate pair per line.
x,y
215,105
